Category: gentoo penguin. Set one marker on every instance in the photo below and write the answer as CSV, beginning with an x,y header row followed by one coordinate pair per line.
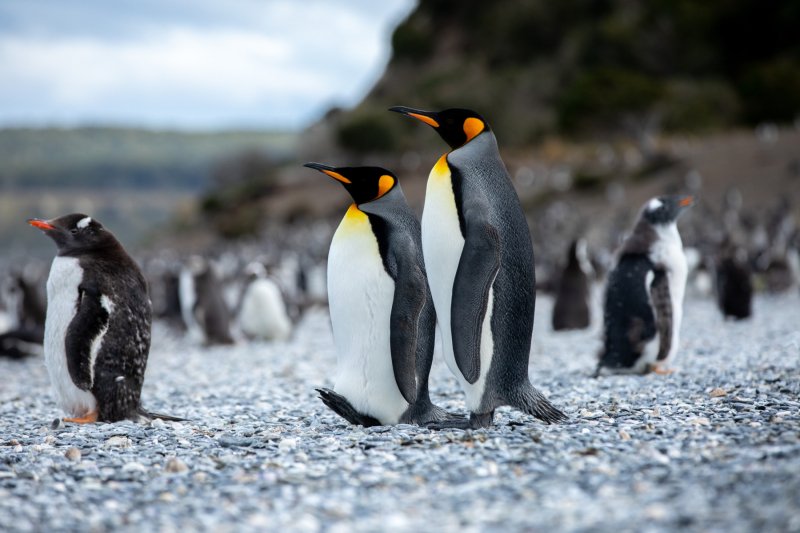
x,y
571,307
97,330
477,244
203,305
383,318
262,312
734,282
644,295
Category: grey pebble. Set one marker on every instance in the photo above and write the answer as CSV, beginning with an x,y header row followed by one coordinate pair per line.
x,y
259,451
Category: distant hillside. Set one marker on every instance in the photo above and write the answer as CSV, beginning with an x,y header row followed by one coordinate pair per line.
x,y
571,67
110,158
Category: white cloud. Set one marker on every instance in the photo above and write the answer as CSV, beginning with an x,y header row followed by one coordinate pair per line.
x,y
279,68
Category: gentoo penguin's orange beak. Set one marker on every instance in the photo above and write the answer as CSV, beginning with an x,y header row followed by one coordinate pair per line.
x,y
686,201
41,224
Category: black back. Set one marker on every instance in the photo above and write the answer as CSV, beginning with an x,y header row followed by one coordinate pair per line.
x,y
478,172
628,316
210,308
571,307
734,283
121,362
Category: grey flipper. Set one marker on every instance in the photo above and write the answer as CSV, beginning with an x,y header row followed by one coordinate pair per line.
x,y
409,300
339,405
477,268
86,325
662,304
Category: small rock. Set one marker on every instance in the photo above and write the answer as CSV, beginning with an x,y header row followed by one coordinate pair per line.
x,y
624,435
134,467
286,445
56,424
176,466
157,423
73,454
717,392
118,442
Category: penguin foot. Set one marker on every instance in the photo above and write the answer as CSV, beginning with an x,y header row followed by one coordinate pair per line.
x,y
339,405
89,418
660,370
475,421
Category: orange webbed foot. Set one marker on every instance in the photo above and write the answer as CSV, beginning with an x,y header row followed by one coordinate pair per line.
x,y
660,370
86,419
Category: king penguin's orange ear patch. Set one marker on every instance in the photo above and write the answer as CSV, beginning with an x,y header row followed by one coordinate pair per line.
x,y
472,127
384,185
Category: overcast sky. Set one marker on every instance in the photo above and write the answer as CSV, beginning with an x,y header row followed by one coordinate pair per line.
x,y
194,64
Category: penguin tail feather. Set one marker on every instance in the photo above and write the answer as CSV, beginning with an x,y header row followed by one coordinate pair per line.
x,y
150,416
533,402
339,405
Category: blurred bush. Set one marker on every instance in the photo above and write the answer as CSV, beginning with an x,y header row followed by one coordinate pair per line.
x,y
240,182
536,67
367,131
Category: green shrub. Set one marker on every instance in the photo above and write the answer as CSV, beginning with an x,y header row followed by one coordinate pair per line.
x,y
367,132
771,91
699,106
411,42
602,96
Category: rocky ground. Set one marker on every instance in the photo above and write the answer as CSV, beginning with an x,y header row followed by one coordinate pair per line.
x,y
712,447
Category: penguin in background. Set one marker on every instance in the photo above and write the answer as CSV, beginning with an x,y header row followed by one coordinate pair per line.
x,y
203,306
262,312
27,310
381,309
571,307
734,281
25,301
97,329
478,249
644,295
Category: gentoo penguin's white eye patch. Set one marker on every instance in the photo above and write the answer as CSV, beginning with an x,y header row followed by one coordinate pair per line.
x,y
84,222
654,204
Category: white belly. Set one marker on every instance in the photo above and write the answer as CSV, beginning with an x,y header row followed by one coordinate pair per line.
x,y
360,295
62,296
263,313
188,298
668,251
442,245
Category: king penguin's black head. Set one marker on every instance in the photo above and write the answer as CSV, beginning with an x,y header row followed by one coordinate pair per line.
x,y
665,210
364,184
456,126
76,234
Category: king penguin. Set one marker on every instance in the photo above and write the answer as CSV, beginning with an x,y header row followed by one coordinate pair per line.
x,y
476,241
644,295
382,314
97,328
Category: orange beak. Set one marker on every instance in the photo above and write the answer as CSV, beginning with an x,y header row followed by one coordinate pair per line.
x,y
686,202
41,224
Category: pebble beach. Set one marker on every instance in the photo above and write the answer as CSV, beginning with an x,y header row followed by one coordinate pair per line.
x,y
714,446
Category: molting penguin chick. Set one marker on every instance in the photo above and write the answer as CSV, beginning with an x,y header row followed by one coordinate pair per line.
x,y
644,295
571,307
477,246
97,329
381,308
